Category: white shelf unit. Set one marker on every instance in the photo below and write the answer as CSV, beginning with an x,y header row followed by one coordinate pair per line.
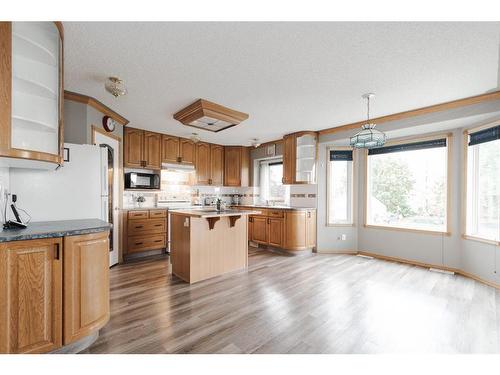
x,y
36,49
305,162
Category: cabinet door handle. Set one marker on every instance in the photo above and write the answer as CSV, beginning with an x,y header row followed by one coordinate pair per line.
x,y
138,243
158,225
269,221
158,240
57,251
308,214
139,227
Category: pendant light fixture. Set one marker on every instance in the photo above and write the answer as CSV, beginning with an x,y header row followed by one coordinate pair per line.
x,y
368,137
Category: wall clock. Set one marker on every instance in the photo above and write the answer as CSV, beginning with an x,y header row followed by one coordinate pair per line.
x,y
108,123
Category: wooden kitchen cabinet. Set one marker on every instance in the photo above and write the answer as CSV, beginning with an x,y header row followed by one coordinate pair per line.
x,y
236,166
133,147
145,230
31,94
216,164
170,151
299,158
152,150
31,296
203,163
275,228
259,229
311,229
86,284
187,151
142,149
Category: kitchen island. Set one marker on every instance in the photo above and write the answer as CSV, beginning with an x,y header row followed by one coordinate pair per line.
x,y
206,243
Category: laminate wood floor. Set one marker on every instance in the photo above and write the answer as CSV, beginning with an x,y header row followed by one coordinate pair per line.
x,y
314,303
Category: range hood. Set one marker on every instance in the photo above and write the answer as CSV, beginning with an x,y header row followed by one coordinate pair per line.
x,y
206,115
186,167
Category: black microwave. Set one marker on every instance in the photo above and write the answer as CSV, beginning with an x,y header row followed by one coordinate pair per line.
x,y
135,180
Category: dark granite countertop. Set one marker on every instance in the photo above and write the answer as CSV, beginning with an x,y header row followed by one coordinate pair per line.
x,y
51,229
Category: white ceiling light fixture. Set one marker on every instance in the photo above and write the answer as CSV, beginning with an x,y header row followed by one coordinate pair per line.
x,y
115,87
194,137
368,137
255,142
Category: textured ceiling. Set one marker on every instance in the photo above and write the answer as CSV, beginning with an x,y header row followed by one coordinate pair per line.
x,y
286,76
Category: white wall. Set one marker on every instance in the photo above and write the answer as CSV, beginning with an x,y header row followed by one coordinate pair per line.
x,y
4,186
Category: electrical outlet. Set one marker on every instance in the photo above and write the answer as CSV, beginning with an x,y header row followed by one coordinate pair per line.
x,y
344,237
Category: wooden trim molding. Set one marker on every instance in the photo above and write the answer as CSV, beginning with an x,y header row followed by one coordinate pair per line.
x,y
96,104
465,169
491,96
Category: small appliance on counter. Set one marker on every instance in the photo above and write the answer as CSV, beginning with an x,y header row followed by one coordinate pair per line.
x,y
235,199
150,181
18,223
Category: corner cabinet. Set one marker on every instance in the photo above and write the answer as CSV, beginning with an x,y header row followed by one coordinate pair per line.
x,y
299,158
53,291
31,94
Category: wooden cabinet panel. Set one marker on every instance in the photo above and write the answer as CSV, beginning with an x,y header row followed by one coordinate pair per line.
x,y
275,227
153,214
259,229
236,166
138,227
250,228
86,284
216,165
289,159
187,151
31,296
135,215
134,148
202,163
295,230
144,243
152,150
311,229
169,149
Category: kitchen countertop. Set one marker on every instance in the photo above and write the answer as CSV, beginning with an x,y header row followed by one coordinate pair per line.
x,y
206,213
275,207
52,229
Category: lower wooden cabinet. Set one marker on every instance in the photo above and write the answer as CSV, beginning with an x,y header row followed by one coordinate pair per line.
x,y
86,285
31,296
287,229
53,291
145,230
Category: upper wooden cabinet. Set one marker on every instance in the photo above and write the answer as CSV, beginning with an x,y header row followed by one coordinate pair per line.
x,y
31,296
203,166
86,285
216,164
299,158
31,92
142,149
187,152
152,150
236,166
169,149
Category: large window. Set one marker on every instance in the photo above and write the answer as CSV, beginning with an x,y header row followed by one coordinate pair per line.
x,y
271,180
340,187
407,185
483,184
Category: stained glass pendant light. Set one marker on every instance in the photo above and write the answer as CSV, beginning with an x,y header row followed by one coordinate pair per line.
x,y
368,137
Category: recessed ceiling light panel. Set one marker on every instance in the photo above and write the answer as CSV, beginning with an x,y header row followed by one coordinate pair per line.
x,y
206,115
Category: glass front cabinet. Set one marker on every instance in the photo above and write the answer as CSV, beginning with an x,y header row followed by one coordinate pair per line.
x,y
31,91
300,157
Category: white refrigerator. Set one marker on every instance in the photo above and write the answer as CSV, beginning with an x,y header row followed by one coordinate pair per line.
x,y
77,190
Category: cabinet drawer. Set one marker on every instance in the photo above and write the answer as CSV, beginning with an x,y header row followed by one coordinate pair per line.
x,y
132,215
153,214
275,213
143,243
137,227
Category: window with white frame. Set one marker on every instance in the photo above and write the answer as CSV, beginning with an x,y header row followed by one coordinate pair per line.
x,y
407,185
271,180
483,184
340,187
